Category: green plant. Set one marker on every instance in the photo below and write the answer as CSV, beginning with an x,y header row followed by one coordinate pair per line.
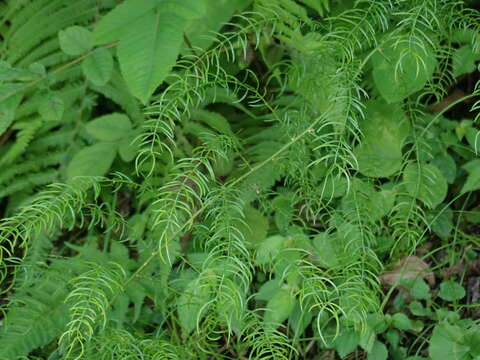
x,y
241,179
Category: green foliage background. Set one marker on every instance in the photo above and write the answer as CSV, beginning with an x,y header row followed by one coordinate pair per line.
x,y
239,179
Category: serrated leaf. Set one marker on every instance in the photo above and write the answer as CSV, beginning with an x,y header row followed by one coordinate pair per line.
x,y
213,119
464,60
98,67
473,179
268,289
9,90
401,69
75,40
230,307
319,5
7,110
451,291
446,164
327,250
375,203
52,108
216,13
190,304
116,22
442,221
148,51
186,9
418,288
445,346
279,308
254,226
269,249
112,127
426,183
385,128
93,160
378,159
7,72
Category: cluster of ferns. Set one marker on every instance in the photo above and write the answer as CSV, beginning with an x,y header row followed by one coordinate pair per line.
x,y
246,205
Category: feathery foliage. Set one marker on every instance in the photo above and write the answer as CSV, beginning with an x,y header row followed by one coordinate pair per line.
x,y
246,179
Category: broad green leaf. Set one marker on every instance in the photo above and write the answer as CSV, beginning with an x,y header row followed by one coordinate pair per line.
x,y
52,108
385,128
231,306
254,226
9,90
299,319
268,289
128,148
37,68
473,179
446,164
136,294
442,221
464,60
98,66
472,339
190,304
417,309
327,250
112,127
445,345
451,291
116,22
269,249
418,288
94,160
279,307
385,121
367,339
217,13
186,9
378,159
372,202
7,72
401,69
148,50
402,321
392,336
284,211
332,187
319,5
347,342
378,352
473,138
75,40
426,183
7,109
213,119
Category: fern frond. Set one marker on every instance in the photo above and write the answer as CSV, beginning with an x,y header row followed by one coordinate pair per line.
x,y
189,86
37,314
90,300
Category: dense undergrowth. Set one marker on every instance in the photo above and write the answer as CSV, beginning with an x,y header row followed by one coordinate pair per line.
x,y
239,179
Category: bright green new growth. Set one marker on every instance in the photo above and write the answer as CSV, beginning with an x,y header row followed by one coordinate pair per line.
x,y
185,183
